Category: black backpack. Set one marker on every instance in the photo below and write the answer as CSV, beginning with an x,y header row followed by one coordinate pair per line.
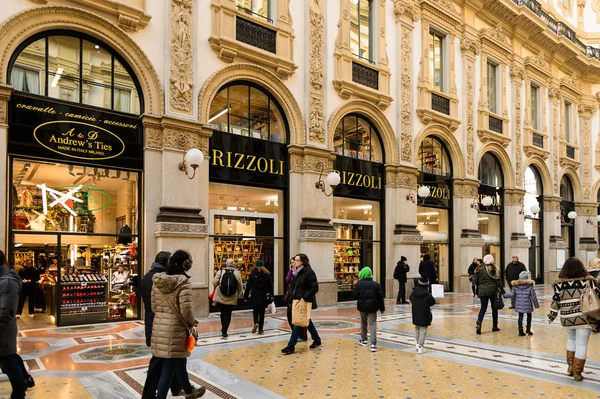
x,y
228,284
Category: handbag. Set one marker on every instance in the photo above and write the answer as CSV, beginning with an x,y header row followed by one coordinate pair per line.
x,y
212,294
498,302
590,303
192,333
301,312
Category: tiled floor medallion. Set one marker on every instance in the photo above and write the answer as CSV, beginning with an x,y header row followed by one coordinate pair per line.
x,y
82,329
112,353
333,325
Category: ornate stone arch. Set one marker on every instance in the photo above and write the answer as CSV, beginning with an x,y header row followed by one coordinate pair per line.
x,y
454,150
503,158
543,171
262,77
23,25
595,189
378,119
575,182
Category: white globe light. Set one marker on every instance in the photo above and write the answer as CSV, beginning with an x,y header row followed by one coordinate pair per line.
x,y
535,208
423,192
194,157
333,179
486,201
572,215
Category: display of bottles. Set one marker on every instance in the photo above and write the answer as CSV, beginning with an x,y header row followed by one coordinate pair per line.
x,y
82,278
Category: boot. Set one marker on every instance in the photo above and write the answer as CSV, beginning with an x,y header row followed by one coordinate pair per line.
x,y
570,357
578,368
478,331
521,333
495,327
529,331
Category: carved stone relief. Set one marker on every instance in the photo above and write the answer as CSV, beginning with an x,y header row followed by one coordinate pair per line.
x,y
408,7
181,76
586,162
317,122
553,93
406,93
470,47
518,134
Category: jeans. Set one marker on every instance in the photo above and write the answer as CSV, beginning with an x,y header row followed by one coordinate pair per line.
x,y
520,322
420,334
259,317
30,294
10,366
484,305
303,333
178,368
226,311
401,292
371,318
577,341
296,331
154,373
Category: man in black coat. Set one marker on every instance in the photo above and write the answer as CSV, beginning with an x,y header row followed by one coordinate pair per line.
x,y
156,364
427,269
513,269
400,274
30,276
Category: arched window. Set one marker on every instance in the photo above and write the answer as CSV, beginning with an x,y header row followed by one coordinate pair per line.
x,y
566,189
77,68
249,110
490,171
357,137
433,157
533,191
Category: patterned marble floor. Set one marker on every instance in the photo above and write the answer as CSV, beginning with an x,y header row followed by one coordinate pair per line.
x,y
110,360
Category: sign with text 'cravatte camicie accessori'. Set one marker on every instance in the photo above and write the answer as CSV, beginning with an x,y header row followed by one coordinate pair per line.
x,y
56,130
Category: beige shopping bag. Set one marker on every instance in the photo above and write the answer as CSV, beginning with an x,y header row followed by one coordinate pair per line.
x,y
301,312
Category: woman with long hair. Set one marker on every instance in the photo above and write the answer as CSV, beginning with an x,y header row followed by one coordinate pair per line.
x,y
257,287
172,304
488,282
573,279
304,285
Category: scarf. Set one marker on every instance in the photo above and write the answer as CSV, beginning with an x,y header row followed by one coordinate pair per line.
x,y
297,270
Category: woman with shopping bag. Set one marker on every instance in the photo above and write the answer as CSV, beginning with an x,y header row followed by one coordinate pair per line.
x,y
303,288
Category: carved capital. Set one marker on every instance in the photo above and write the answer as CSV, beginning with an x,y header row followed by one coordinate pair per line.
x,y
311,159
587,109
5,92
465,188
517,73
407,8
471,45
514,197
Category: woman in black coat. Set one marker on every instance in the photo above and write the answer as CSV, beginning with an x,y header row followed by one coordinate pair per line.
x,y
427,269
257,287
305,286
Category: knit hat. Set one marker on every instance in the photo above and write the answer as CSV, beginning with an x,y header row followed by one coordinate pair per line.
x,y
403,259
423,281
259,263
524,275
365,272
488,259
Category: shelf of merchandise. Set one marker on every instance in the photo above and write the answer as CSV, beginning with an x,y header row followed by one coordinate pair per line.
x,y
346,264
244,252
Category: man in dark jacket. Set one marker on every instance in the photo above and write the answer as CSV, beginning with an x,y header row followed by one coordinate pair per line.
x,y
10,287
471,273
369,296
513,269
29,276
400,274
427,269
156,364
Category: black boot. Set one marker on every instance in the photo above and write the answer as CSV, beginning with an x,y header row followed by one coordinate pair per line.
x,y
478,331
495,327
529,331
521,333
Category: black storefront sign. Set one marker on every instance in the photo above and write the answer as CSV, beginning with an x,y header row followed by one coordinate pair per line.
x,y
247,161
359,178
56,130
495,194
440,195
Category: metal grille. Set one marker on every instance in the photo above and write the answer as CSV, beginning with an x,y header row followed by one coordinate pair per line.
x,y
255,35
570,152
537,140
365,76
495,124
440,104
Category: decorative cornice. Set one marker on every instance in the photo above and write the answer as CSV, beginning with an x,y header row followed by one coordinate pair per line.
x,y
539,64
130,14
317,235
180,229
310,159
465,188
472,45
408,8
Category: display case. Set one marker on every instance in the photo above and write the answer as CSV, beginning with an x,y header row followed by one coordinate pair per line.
x,y
83,298
347,263
244,252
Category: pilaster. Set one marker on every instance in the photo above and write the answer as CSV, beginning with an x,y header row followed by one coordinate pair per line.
x,y
5,92
467,239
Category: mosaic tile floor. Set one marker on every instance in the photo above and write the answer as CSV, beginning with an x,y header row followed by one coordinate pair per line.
x,y
110,360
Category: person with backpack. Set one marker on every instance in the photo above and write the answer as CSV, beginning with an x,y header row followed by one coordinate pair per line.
x,y
228,282
258,287
369,299
422,301
400,274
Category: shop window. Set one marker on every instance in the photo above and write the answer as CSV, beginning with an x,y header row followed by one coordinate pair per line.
x,y
433,158
361,29
492,82
490,171
436,60
568,121
356,137
259,8
566,189
534,105
250,111
533,221
79,69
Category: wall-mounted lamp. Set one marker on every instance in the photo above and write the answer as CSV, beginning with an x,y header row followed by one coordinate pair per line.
x,y
333,179
422,192
522,211
590,221
571,215
192,158
485,201
535,209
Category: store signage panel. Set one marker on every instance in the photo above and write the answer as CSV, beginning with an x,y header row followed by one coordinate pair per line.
x,y
56,130
358,178
495,194
240,159
440,194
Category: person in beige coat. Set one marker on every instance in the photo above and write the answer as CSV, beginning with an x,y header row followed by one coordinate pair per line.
x,y
171,301
227,302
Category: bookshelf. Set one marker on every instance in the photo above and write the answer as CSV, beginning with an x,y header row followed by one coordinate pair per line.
x,y
244,252
347,261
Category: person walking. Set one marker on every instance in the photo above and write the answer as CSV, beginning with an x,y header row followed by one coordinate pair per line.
x,y
257,287
10,287
593,267
422,301
369,296
524,299
427,269
288,279
29,276
573,279
305,286
513,270
228,282
156,363
171,300
488,282
471,273
400,274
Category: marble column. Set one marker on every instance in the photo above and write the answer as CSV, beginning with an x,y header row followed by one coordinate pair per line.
x,y
5,92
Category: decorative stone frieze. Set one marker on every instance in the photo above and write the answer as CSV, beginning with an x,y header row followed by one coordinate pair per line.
x,y
130,14
513,197
471,48
407,234
175,134
406,176
5,93
557,242
552,204
519,240
172,221
181,55
588,243
465,188
316,128
471,237
317,229
407,9
311,159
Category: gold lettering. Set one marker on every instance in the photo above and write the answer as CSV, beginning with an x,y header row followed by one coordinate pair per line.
x,y
379,185
359,181
281,167
239,160
266,165
252,158
271,171
365,181
219,157
351,178
228,159
69,133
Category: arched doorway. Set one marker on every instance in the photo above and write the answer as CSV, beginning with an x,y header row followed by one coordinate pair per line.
x,y
567,204
491,218
534,221
434,213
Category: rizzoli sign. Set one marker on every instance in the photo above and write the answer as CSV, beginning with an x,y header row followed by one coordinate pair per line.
x,y
359,178
249,162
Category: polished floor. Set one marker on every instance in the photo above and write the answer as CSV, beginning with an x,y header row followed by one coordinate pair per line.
x,y
110,360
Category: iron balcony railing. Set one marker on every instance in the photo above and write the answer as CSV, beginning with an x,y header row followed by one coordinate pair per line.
x,y
440,104
495,124
537,140
570,152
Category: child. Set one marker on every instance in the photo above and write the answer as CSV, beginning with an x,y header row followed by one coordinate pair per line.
x,y
422,301
369,297
523,299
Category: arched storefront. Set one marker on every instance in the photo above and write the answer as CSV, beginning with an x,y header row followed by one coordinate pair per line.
x,y
434,213
491,218
75,148
358,202
533,206
567,204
